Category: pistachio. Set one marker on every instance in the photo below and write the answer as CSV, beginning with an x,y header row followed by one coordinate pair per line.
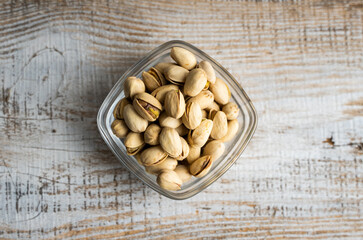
x,y
161,92
199,136
132,86
153,155
185,150
183,173
151,135
134,142
119,128
170,141
118,110
194,154
134,121
208,69
137,156
153,79
204,99
176,74
221,91
147,106
201,166
174,104
213,106
195,82
168,164
220,125
182,130
166,121
161,66
204,114
169,180
231,110
214,148
233,126
192,116
183,57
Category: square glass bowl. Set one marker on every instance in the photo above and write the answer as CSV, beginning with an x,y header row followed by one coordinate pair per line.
x,y
247,122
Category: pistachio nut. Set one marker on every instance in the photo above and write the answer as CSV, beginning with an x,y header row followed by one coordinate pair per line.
x,y
132,86
214,148
204,99
233,126
168,164
119,128
185,150
118,110
153,155
133,120
176,74
199,136
208,69
212,113
166,121
221,91
169,180
151,135
213,106
192,116
153,79
161,92
170,141
134,142
137,156
220,125
231,110
194,154
174,104
201,166
161,66
147,106
183,57
195,82
183,173
182,130
204,114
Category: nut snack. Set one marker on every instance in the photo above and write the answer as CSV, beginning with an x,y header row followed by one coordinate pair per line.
x,y
176,118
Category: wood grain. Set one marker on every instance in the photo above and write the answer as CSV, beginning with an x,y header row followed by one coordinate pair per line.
x,y
301,63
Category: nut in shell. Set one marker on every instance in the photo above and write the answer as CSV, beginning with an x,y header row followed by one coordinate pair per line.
x,y
133,120
214,148
134,142
151,135
201,166
152,156
221,91
183,173
169,180
204,99
161,66
213,106
132,86
161,92
231,110
168,164
233,126
185,150
118,110
192,116
208,69
119,128
176,75
166,121
199,136
183,57
170,141
147,106
195,82
174,104
220,125
194,154
153,79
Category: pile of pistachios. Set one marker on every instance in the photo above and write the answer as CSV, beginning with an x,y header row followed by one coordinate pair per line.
x,y
176,119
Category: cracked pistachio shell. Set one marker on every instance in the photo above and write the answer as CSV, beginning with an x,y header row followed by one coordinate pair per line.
x,y
161,92
194,154
169,180
133,120
199,136
183,57
132,86
204,114
166,121
152,156
170,141
118,111
153,79
214,148
192,116
185,150
233,126
151,135
134,142
168,164
161,66
176,74
213,106
220,125
221,91
119,128
147,106
208,69
201,166
204,99
182,130
174,104
183,173
231,110
195,82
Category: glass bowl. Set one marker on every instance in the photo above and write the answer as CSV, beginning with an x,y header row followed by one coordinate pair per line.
x,y
247,122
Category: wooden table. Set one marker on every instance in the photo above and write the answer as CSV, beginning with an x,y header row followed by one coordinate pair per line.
x,y
301,63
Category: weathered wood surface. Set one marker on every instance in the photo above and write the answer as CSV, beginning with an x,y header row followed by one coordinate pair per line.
x,y
301,62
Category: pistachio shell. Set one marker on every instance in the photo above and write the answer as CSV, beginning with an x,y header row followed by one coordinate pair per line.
x,y
192,116
194,154
161,92
118,110
199,136
153,155
151,135
134,121
220,125
183,173
195,82
176,74
134,142
169,180
119,128
233,126
214,148
185,150
166,121
201,166
204,114
208,69
221,91
147,106
174,104
231,110
153,79
168,164
204,99
182,130
161,66
170,141
213,106
183,57
132,86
